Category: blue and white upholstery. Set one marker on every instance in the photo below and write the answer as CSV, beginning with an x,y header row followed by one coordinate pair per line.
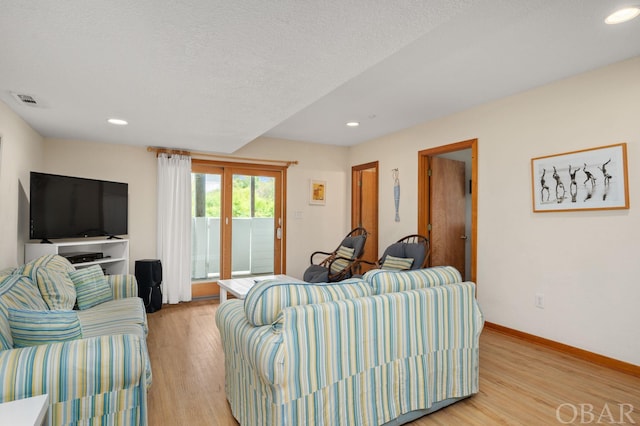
x,y
391,355
93,363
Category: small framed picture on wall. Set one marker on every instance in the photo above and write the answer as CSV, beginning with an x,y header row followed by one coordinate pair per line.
x,y
317,192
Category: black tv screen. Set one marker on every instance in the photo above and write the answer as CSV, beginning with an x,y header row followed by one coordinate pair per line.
x,y
72,207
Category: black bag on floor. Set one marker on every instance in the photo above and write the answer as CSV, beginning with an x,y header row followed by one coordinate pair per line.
x,y
154,301
149,277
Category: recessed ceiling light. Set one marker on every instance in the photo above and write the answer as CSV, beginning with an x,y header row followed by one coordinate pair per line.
x,y
117,121
353,124
622,15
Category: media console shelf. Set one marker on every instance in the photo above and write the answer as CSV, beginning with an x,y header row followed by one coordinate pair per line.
x,y
115,253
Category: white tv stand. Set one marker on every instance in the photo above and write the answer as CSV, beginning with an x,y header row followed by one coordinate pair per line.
x,y
115,252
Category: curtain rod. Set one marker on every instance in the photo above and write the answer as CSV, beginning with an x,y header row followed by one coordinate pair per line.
x,y
209,156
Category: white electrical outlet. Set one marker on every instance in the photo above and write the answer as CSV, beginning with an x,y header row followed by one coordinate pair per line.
x,y
540,300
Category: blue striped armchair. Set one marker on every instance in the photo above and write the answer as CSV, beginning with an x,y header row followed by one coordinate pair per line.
x,y
93,361
384,349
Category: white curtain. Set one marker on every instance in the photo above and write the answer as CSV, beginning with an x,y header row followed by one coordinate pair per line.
x,y
174,226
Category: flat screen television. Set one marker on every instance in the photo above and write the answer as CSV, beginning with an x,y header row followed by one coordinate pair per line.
x,y
73,207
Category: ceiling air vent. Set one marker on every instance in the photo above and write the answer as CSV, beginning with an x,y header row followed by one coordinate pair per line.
x,y
25,99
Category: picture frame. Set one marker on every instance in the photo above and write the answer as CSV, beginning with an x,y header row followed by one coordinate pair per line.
x,y
589,179
317,192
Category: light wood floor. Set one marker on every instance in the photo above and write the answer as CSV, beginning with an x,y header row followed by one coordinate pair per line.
x,y
520,383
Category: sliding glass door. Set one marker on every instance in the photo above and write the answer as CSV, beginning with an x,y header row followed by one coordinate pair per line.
x,y
206,211
238,227
253,223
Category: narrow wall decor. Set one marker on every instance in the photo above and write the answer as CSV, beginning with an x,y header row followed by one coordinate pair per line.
x,y
317,192
589,179
396,192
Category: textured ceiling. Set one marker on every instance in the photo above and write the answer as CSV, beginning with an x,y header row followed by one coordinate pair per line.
x,y
214,75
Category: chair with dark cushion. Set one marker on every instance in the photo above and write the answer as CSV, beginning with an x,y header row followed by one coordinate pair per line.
x,y
410,252
339,264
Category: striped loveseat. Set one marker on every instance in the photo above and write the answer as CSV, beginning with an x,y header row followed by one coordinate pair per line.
x,y
92,361
385,349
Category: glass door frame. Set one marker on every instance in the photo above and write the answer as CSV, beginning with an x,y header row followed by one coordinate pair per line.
x,y
227,169
226,221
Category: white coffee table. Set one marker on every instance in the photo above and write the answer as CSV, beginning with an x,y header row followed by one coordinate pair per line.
x,y
25,412
239,287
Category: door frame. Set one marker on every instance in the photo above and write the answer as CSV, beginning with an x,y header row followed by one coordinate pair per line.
x,y
226,221
355,197
209,288
424,196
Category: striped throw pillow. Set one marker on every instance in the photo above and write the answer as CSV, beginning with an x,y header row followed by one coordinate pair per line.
x,y
55,286
5,272
19,292
339,264
49,261
92,287
386,281
397,263
32,328
267,299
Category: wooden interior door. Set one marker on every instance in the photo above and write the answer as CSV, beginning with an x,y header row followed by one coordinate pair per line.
x,y
424,195
364,207
447,213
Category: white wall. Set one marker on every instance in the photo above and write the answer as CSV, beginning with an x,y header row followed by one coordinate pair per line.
x,y
21,153
120,163
314,228
586,263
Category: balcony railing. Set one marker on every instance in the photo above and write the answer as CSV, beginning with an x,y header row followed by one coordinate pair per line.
x,y
251,253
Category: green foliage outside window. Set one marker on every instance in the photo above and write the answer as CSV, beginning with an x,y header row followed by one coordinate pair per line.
x,y
263,193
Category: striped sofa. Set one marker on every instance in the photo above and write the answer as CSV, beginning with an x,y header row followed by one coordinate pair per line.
x,y
92,361
381,350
